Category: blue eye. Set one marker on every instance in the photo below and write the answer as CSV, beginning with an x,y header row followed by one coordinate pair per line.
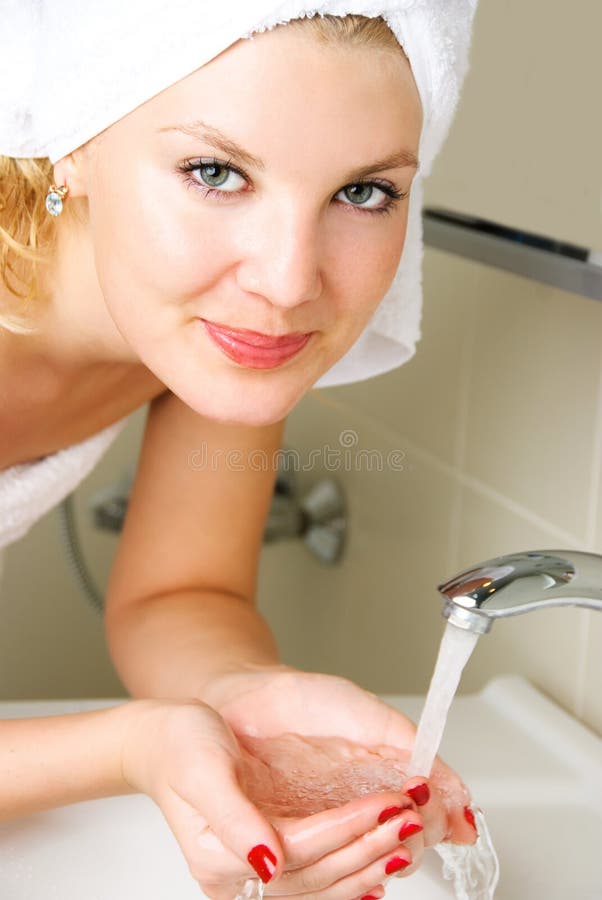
x,y
364,191
216,174
218,180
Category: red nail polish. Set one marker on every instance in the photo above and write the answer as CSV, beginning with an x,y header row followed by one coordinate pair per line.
x,y
420,794
408,830
469,816
263,861
396,864
369,897
388,813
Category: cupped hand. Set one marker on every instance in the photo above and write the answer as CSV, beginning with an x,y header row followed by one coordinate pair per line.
x,y
187,759
267,702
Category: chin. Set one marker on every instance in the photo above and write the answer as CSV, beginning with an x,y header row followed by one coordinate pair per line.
x,y
252,411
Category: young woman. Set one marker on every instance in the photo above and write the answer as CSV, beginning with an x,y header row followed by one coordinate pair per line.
x,y
275,215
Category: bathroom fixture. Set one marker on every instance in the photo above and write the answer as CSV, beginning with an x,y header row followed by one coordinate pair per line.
x,y
563,265
318,517
519,583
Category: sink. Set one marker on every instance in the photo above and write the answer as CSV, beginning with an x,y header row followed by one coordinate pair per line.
x,y
534,770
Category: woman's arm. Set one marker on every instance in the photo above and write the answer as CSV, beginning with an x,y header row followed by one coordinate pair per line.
x,y
180,599
179,644
180,617
57,760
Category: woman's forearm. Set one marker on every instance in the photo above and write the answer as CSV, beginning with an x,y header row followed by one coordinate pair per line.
x,y
178,645
53,761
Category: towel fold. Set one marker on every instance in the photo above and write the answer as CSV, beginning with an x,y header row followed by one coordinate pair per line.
x,y
31,489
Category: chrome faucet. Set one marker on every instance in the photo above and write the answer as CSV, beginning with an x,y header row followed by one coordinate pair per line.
x,y
521,582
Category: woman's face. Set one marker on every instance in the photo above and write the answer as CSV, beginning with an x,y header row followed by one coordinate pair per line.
x,y
297,240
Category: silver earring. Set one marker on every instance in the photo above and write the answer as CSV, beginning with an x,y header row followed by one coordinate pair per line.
x,y
54,199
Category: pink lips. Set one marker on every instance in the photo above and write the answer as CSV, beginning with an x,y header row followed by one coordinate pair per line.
x,y
250,348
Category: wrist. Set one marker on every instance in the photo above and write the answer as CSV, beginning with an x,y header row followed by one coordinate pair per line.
x,y
139,733
229,682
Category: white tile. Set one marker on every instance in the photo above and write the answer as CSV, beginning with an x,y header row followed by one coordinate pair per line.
x,y
532,406
422,399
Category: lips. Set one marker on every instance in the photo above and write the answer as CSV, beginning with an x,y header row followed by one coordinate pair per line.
x,y
256,339
253,351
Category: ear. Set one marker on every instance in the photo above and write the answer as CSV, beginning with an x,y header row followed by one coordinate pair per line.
x,y
72,170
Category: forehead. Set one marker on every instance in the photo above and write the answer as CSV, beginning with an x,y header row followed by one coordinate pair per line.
x,y
286,70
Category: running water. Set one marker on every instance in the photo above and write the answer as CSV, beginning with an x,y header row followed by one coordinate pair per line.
x,y
454,652
474,869
252,890
293,775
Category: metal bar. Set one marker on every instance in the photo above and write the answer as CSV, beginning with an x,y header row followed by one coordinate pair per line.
x,y
566,266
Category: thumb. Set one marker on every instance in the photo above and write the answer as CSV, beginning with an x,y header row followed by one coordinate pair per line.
x,y
237,823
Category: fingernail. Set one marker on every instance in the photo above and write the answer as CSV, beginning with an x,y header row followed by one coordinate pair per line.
x,y
420,794
396,864
408,830
469,816
263,861
388,813
380,893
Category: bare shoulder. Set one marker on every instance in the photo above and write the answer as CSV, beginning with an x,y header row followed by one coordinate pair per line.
x,y
198,506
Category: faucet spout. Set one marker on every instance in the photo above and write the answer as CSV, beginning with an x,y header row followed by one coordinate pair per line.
x,y
519,583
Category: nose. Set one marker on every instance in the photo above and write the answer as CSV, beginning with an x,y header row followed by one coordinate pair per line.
x,y
281,261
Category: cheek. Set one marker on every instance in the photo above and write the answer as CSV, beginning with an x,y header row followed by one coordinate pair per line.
x,y
370,267
146,238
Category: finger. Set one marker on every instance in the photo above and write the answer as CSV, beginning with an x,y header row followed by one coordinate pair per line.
x,y
456,799
462,826
442,800
304,840
358,884
310,838
356,856
375,893
217,869
433,806
235,821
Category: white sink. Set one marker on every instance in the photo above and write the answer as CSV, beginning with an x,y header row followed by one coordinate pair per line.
x,y
534,770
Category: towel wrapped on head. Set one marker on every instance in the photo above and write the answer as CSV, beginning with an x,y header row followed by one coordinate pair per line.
x,y
69,70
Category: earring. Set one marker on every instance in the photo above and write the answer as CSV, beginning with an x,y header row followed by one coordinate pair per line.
x,y
54,199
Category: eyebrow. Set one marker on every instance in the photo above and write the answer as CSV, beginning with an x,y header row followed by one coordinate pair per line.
x,y
202,131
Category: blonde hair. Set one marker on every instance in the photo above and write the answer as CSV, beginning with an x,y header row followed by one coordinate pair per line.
x,y
26,232
27,235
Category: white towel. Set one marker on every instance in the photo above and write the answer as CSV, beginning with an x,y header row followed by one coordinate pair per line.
x,y
31,489
69,69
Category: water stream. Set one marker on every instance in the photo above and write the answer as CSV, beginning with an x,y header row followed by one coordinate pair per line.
x,y
252,890
474,869
454,652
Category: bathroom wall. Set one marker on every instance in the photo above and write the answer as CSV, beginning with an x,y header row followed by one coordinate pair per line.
x,y
498,418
